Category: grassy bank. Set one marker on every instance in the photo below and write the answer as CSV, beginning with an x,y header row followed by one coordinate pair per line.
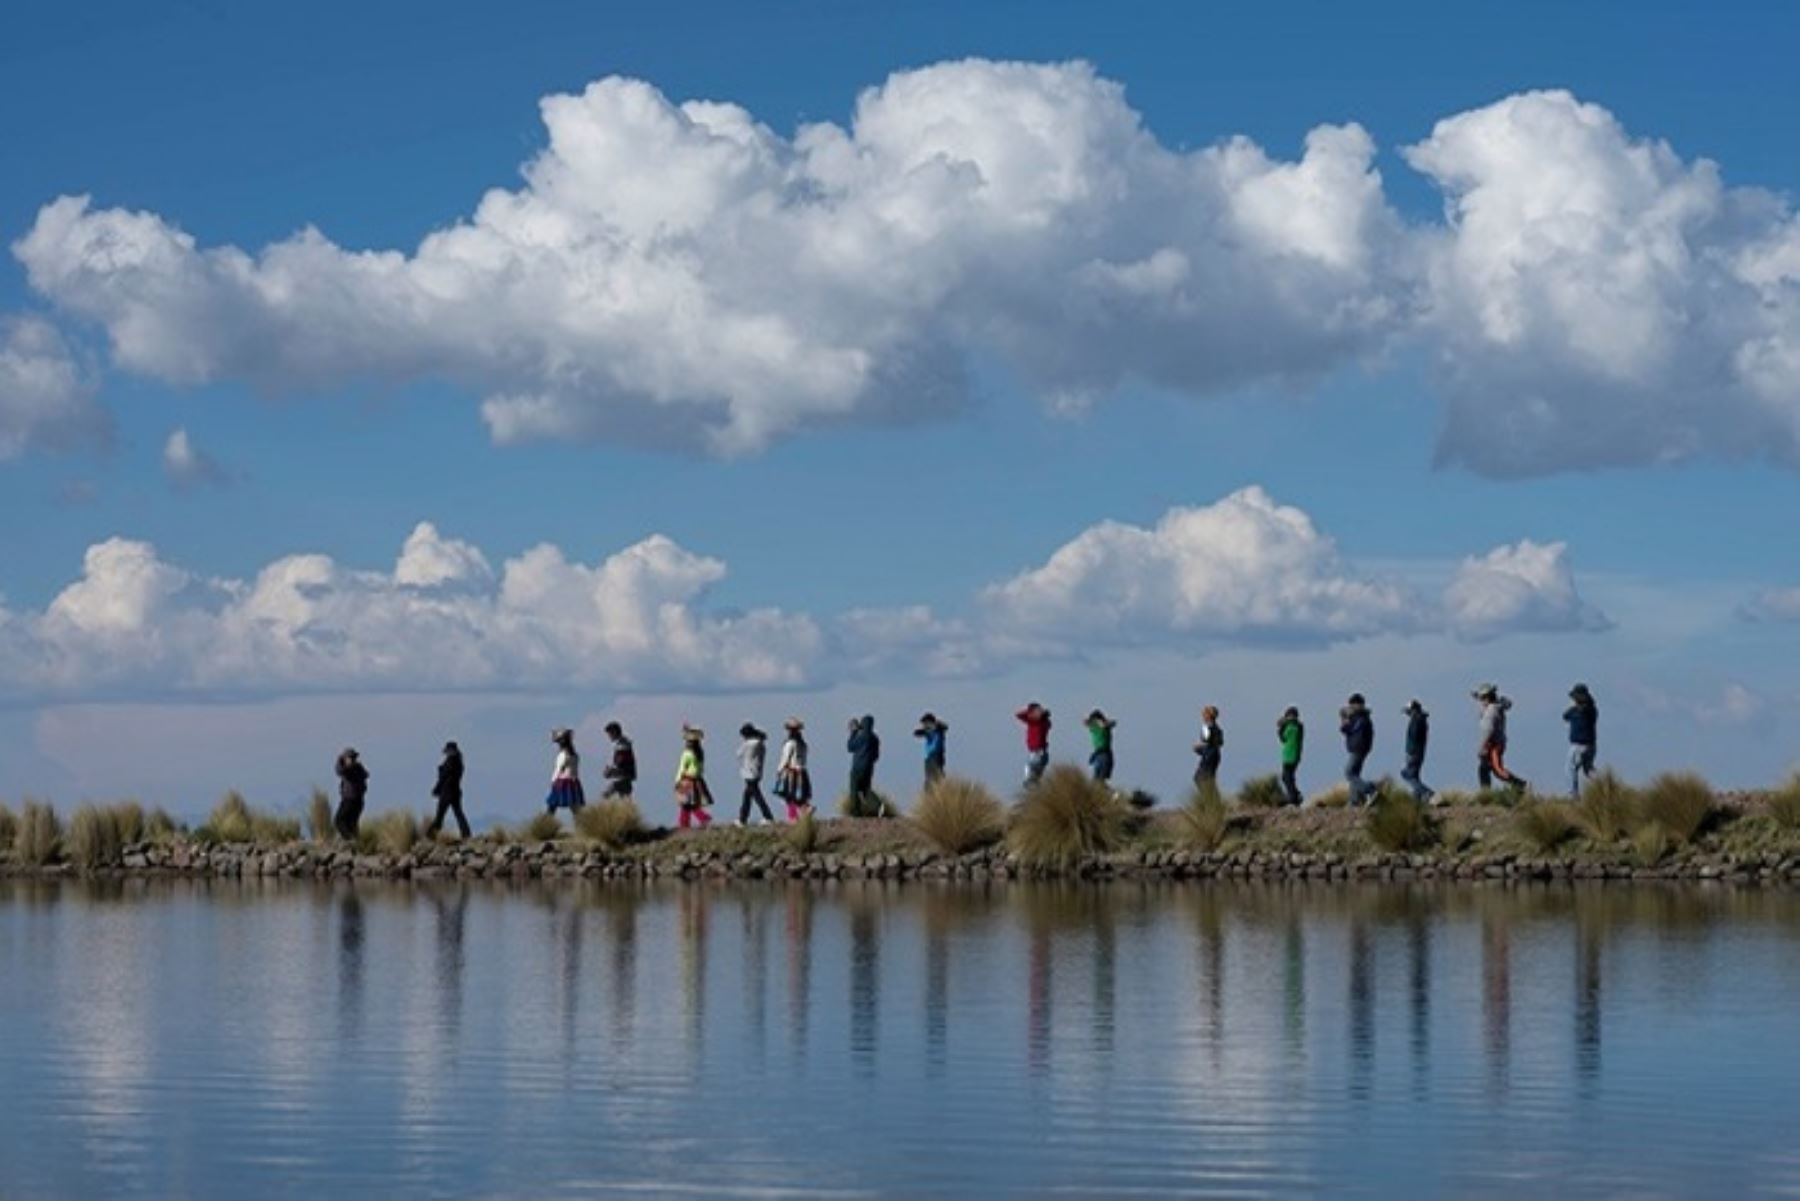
x,y
1674,825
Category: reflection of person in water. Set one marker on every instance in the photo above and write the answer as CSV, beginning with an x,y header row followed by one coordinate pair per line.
x,y
1496,998
350,963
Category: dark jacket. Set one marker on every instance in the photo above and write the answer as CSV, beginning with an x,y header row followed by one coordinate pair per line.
x,y
624,762
1584,723
449,781
1359,731
353,779
864,745
1418,735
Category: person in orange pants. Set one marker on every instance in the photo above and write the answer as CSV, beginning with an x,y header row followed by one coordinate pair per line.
x,y
1491,753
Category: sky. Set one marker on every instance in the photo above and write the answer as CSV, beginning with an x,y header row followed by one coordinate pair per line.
x,y
378,376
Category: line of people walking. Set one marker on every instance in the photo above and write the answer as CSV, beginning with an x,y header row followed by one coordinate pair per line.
x,y
794,788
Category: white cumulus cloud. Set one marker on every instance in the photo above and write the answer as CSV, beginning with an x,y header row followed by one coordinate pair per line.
x,y
442,618
46,394
1527,587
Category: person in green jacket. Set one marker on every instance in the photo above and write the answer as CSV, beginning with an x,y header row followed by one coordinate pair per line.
x,y
1100,732
1292,732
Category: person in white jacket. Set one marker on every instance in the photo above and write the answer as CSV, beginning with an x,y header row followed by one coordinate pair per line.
x,y
751,753
1491,749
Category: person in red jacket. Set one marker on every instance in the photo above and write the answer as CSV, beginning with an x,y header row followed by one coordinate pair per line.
x,y
1037,741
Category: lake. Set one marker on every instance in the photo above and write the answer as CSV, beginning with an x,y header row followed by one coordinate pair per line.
x,y
269,1039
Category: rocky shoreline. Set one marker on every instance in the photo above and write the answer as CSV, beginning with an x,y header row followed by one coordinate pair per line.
x,y
554,861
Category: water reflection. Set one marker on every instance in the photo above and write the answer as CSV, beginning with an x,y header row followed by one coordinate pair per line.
x,y
1247,1040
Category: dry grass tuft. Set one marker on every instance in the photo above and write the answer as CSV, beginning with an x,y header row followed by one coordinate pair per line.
x,y
803,836
1650,842
1544,825
545,827
1261,792
395,833
1784,805
1682,804
234,820
959,816
613,824
1335,797
93,839
1065,818
39,837
1398,822
319,813
1607,807
9,829
1200,824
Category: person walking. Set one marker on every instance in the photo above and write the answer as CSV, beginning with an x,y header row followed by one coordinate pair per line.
x,y
622,772
1210,748
1358,728
1491,741
565,775
1583,716
353,791
1291,732
793,783
692,797
1037,741
751,753
1418,737
1100,736
448,791
864,745
936,740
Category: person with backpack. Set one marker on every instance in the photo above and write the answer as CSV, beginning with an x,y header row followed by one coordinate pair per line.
x,y
1491,740
793,783
1290,731
1210,748
752,754
353,791
448,791
692,797
1100,735
1358,728
1418,737
935,735
1583,716
1037,741
864,746
621,774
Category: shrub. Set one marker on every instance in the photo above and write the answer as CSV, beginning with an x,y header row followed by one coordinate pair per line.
x,y
93,838
39,837
1065,817
1784,806
395,832
129,815
233,820
1261,792
1651,842
318,817
613,824
803,836
1398,822
159,827
9,828
1606,807
876,804
1545,825
1200,824
1335,797
543,828
959,816
1681,804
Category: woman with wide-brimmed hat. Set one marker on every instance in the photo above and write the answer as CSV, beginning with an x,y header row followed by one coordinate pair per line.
x,y
793,783
691,793
565,776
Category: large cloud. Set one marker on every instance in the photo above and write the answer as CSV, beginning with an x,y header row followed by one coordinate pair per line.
x,y
1248,570
46,394
442,618
1598,301
681,274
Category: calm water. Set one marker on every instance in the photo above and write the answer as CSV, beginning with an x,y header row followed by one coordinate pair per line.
x,y
260,1040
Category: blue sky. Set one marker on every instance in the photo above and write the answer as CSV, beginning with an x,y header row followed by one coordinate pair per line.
x,y
377,127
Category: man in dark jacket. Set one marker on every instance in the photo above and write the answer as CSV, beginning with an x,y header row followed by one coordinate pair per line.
x,y
1358,729
1583,717
1418,736
353,790
864,746
448,791
621,773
